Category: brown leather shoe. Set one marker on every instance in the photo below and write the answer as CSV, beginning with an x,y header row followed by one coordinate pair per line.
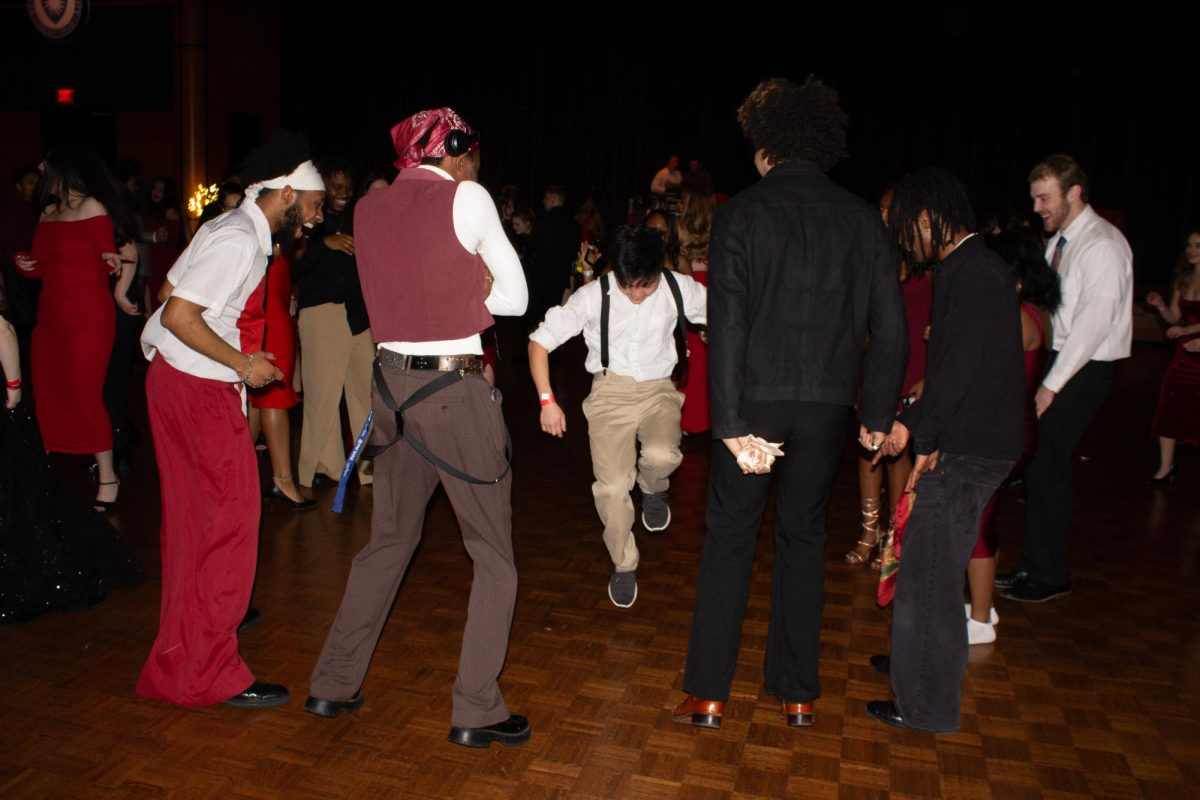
x,y
798,715
702,713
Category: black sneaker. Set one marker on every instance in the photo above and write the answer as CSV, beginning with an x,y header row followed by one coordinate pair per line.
x,y
622,588
1007,580
656,514
1031,591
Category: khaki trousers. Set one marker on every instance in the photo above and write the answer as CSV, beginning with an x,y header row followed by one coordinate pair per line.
x,y
621,412
333,363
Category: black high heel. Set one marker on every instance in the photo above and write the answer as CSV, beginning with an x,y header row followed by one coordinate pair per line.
x,y
106,505
278,494
1164,481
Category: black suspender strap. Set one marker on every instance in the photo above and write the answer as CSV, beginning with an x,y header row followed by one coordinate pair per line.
x,y
604,322
680,374
443,381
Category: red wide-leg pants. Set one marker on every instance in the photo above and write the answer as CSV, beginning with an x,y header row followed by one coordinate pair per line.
x,y
209,536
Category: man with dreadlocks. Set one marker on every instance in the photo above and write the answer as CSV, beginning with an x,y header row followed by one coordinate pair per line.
x,y
204,346
435,264
967,424
800,272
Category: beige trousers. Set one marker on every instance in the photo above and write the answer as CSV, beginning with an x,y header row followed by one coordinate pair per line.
x,y
334,364
622,412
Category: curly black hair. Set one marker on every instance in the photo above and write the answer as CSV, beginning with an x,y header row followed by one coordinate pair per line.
x,y
795,122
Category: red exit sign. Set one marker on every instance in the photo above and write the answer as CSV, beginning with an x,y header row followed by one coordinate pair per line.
x,y
65,96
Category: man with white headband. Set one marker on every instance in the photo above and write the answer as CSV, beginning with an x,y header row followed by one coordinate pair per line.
x,y
203,345
435,265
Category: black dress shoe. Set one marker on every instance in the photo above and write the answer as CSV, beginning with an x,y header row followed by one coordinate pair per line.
x,y
1031,591
886,712
321,480
513,731
260,695
252,618
1006,580
301,505
333,708
882,664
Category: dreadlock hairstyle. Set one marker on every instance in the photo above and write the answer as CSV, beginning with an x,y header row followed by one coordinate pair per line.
x,y
940,194
1023,251
795,122
282,153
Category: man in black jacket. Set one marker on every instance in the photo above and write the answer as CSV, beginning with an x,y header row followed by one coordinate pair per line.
x,y
801,272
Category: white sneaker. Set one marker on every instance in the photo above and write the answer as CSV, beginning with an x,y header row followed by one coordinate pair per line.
x,y
993,617
980,632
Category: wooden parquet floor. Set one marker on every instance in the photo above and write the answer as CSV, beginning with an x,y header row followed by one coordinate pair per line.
x,y
1091,696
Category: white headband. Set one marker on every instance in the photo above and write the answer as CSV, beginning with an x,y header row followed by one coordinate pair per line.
x,y
305,178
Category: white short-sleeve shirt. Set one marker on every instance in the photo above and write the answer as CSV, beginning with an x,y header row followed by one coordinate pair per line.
x,y
224,270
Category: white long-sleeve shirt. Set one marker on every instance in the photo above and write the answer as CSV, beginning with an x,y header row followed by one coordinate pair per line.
x,y
1095,320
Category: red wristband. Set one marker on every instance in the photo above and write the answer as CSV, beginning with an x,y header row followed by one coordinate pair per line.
x,y
546,399
13,384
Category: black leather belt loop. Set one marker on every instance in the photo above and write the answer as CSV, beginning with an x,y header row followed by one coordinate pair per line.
x,y
463,363
447,379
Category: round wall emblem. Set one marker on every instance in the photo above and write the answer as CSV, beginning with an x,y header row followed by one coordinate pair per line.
x,y
57,19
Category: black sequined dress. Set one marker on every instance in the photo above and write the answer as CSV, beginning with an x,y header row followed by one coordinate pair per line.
x,y
56,552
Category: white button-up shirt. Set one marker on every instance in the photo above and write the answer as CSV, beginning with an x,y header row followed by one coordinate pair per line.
x,y
641,336
1095,320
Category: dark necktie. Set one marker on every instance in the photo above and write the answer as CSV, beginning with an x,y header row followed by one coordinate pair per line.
x,y
1058,251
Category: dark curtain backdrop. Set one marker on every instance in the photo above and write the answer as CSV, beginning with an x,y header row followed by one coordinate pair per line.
x,y
986,92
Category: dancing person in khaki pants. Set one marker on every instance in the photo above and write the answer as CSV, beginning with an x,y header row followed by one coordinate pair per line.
x,y
633,402
335,337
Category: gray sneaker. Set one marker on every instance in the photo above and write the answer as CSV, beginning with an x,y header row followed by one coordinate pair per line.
x,y
622,588
656,514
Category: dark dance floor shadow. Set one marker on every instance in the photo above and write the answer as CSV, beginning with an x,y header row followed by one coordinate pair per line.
x,y
1093,695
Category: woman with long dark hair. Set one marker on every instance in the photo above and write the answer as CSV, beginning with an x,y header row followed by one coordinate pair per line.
x,y
1037,286
1178,415
84,217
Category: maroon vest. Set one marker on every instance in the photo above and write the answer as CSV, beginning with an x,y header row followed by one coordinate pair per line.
x,y
418,282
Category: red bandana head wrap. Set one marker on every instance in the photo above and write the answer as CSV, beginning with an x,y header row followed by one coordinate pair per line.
x,y
423,135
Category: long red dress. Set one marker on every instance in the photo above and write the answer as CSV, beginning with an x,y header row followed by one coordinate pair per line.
x,y
694,418
1178,413
279,338
73,338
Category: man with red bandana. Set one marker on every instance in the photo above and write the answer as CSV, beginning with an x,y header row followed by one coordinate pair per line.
x,y
435,264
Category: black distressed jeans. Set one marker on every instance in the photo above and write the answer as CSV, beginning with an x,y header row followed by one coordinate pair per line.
x,y
929,631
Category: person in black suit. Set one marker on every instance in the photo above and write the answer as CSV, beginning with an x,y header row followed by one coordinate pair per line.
x,y
800,273
549,255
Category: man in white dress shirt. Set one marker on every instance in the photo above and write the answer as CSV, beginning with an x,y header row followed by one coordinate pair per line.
x,y
633,397
1091,329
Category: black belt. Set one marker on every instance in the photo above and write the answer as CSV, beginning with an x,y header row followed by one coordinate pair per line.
x,y
463,363
449,378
